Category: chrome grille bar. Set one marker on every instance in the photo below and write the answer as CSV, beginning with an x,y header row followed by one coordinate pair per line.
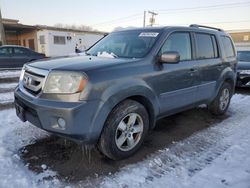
x,y
33,80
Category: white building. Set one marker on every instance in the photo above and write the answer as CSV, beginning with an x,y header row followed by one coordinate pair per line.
x,y
60,42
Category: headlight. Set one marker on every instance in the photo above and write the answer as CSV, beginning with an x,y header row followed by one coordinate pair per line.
x,y
64,82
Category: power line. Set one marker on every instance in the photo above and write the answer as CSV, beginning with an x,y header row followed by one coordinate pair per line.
x,y
118,19
220,22
225,22
225,5
167,11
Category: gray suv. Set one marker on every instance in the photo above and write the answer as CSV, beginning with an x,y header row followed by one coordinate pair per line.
x,y
114,94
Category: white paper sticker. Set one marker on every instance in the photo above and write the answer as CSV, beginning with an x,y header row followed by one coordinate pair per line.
x,y
148,34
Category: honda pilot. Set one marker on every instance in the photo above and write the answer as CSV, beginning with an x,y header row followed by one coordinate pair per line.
x,y
113,95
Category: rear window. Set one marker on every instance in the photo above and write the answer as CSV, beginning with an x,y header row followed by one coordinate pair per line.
x,y
228,46
206,46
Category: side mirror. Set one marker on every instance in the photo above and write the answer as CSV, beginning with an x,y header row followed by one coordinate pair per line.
x,y
170,57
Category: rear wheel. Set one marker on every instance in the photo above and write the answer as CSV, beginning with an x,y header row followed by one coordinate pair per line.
x,y
124,130
221,103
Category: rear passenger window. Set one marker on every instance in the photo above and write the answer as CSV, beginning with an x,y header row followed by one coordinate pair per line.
x,y
228,46
179,42
206,46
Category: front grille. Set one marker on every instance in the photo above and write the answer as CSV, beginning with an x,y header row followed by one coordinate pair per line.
x,y
33,81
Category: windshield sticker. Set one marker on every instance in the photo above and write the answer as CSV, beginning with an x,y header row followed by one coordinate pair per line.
x,y
149,34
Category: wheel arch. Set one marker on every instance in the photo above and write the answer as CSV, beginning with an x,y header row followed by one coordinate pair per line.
x,y
227,75
141,94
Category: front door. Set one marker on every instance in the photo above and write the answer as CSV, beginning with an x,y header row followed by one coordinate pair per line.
x,y
178,83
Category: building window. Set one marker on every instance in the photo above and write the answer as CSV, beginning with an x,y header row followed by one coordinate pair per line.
x,y
246,37
42,39
59,40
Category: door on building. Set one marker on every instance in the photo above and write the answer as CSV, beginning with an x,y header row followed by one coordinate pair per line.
x,y
24,42
31,44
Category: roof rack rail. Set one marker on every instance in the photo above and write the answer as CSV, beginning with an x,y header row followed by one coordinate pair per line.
x,y
203,26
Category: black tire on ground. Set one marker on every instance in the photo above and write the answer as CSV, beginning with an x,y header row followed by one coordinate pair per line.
x,y
108,141
216,107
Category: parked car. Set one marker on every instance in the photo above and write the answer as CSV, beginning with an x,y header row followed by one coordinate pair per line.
x,y
114,94
12,56
243,76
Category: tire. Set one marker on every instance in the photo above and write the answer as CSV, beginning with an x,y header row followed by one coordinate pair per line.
x,y
127,121
221,103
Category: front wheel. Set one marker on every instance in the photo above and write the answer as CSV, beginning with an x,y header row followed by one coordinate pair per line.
x,y
124,130
221,103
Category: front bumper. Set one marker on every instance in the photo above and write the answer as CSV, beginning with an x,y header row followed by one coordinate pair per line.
x,y
79,116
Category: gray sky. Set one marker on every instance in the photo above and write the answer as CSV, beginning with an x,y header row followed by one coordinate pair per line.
x,y
108,14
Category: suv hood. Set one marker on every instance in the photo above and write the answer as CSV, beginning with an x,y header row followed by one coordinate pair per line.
x,y
78,63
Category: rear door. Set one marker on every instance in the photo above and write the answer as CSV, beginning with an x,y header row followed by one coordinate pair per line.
x,y
5,57
177,83
210,64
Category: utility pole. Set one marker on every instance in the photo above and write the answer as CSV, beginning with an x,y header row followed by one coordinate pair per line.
x,y
152,19
144,18
2,33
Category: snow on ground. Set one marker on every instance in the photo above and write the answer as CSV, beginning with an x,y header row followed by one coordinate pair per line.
x,y
9,73
215,157
14,135
6,97
8,86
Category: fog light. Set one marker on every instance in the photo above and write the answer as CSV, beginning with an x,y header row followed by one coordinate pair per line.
x,y
62,123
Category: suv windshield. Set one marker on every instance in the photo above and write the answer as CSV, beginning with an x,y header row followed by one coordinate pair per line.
x,y
131,44
244,56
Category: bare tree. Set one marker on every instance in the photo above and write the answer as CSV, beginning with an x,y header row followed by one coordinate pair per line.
x,y
73,26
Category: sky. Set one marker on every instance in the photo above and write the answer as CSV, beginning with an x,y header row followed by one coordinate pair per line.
x,y
109,14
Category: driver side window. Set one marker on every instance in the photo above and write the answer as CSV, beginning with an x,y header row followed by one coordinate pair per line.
x,y
179,42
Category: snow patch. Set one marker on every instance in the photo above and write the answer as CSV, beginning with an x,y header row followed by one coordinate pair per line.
x,y
215,157
8,86
14,135
10,73
6,97
106,54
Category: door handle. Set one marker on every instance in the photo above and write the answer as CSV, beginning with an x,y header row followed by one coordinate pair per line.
x,y
192,70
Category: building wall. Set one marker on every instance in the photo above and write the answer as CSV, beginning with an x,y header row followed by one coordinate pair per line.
x,y
241,40
24,40
46,42
12,38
